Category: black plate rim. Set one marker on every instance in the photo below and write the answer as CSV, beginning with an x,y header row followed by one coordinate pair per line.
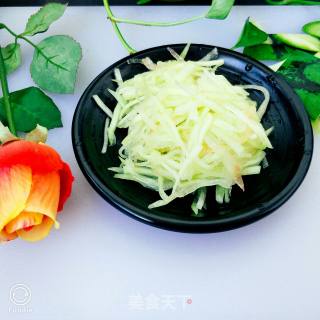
x,y
201,226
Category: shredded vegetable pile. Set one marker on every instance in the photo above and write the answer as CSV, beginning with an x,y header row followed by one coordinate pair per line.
x,y
188,129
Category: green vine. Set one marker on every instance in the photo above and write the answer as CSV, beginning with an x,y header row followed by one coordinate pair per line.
x,y
116,28
156,24
219,9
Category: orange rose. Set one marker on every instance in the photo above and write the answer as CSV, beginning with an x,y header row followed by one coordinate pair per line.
x,y
34,185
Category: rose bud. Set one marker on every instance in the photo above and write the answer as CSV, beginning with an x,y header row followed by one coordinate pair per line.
x,y
34,185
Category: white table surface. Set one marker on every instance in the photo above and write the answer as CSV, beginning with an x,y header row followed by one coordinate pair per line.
x,y
102,264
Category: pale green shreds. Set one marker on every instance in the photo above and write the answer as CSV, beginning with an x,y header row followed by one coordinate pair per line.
x,y
188,129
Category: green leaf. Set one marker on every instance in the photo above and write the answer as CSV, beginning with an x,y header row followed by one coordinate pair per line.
x,y
219,9
301,70
251,35
43,18
12,56
57,71
30,107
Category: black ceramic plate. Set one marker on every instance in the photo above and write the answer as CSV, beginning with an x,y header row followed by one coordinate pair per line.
x,y
289,161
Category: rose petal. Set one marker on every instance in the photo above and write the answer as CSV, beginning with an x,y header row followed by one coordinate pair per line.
x,y
66,180
38,156
38,134
15,186
24,220
44,195
6,135
37,233
5,236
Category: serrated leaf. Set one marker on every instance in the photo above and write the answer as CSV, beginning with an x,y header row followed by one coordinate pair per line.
x,y
12,56
251,35
43,18
30,107
59,73
220,9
